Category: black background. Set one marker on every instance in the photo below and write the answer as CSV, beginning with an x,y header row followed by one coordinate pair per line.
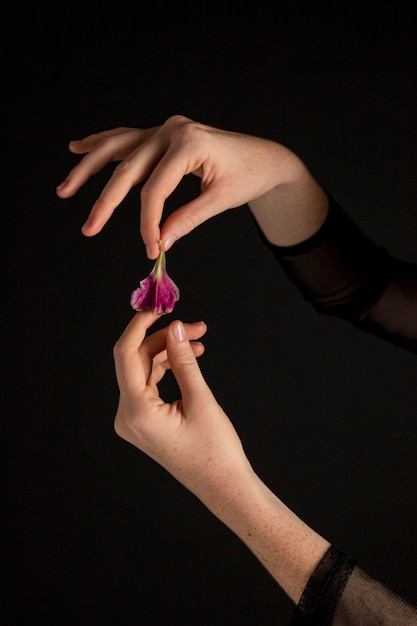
x,y
96,531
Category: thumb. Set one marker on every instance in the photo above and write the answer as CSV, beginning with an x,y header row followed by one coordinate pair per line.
x,y
184,364
190,215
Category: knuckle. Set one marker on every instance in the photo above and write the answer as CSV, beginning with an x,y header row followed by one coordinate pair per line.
x,y
174,121
108,144
183,129
120,130
124,168
186,359
111,144
119,349
154,191
189,132
147,190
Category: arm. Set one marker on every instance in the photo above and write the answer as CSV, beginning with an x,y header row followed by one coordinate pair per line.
x,y
196,442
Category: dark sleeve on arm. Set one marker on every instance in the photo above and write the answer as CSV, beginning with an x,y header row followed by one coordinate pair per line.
x,y
341,272
340,593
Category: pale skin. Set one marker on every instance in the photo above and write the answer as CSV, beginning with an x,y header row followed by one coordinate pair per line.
x,y
235,169
192,438
195,441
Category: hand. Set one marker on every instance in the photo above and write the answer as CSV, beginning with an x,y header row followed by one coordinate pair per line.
x,y
234,169
191,438
195,441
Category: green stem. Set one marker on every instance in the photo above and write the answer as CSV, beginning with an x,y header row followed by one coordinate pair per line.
x,y
159,268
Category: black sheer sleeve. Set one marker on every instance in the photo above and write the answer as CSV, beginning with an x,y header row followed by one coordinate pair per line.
x,y
343,273
341,593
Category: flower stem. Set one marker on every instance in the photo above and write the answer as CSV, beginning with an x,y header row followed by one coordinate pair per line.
x,y
160,265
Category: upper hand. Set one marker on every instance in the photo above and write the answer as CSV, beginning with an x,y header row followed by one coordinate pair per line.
x,y
234,169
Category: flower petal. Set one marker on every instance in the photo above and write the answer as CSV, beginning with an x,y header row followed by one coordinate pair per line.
x,y
158,292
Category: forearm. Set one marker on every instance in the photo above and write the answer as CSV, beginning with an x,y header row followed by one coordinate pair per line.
x,y
282,542
292,211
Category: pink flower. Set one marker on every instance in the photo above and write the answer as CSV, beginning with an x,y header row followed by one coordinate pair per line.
x,y
157,292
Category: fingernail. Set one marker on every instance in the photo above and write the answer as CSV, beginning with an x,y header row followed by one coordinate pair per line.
x,y
168,242
178,331
62,185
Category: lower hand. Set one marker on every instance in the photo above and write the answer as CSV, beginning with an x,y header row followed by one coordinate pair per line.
x,y
191,438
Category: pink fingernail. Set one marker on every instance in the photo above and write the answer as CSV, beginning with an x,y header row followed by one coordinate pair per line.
x,y
178,331
169,241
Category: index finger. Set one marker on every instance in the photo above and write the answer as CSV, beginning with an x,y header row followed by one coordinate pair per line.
x,y
130,372
167,174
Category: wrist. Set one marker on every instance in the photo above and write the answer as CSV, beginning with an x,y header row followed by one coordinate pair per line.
x,y
288,548
292,212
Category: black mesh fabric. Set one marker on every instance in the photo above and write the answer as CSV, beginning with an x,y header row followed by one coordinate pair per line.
x,y
343,273
341,593
324,589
